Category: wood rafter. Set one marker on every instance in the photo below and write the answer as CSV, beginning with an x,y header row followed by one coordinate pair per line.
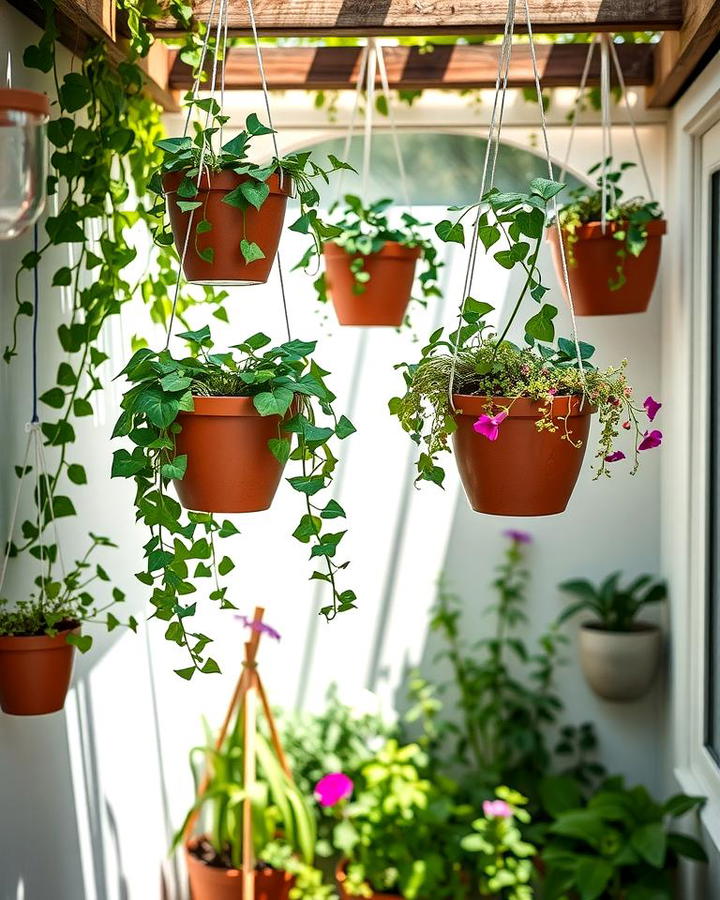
x,y
444,66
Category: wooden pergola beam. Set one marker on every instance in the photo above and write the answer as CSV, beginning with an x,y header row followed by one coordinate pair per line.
x,y
358,18
443,66
680,55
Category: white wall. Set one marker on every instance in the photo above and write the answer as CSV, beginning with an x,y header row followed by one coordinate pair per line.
x,y
95,792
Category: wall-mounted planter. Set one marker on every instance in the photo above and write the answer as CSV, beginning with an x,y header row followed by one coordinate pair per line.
x,y
35,673
387,293
23,149
230,468
230,226
620,665
525,472
595,268
209,882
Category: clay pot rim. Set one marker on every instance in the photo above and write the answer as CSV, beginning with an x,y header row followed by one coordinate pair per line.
x,y
389,250
224,406
21,100
637,629
224,181
592,231
341,877
11,643
522,407
191,844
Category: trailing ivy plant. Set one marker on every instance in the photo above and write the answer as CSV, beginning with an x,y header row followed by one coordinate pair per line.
x,y
627,218
277,379
364,230
483,363
191,154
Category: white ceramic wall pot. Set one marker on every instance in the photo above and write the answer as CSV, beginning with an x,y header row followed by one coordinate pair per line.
x,y
620,666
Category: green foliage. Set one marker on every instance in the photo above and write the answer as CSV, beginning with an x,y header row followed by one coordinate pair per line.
x,y
627,218
195,155
363,230
161,387
618,845
504,858
616,608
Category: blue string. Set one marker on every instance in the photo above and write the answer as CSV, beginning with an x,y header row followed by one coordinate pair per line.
x,y
36,282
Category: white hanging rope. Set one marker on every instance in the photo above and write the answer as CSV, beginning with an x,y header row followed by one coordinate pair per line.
x,y
607,188
369,109
353,116
382,69
576,106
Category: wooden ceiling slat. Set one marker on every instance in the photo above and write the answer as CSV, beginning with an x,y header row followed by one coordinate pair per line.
x,y
451,67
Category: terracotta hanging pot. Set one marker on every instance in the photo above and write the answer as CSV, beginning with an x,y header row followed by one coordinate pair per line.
x,y
230,468
620,665
524,472
215,883
341,877
35,673
385,296
595,267
230,226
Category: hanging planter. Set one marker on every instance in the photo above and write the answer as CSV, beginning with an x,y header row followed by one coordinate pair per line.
x,y
619,655
210,881
23,150
35,672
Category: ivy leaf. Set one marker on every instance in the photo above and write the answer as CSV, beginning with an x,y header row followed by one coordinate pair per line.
x,y
76,474
307,484
450,233
250,251
333,510
255,192
280,449
274,402
226,565
82,407
83,642
344,428
55,398
545,188
176,468
210,667
255,126
227,529
187,674
540,326
75,92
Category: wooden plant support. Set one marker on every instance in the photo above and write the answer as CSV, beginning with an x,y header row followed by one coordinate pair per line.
x,y
244,701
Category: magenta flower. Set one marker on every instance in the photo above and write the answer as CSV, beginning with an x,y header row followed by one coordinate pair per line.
x,y
615,457
332,788
520,537
498,809
626,425
262,627
651,407
489,426
651,439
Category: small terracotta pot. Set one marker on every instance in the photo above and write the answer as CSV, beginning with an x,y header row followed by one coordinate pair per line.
x,y
595,267
341,878
35,673
620,665
525,472
213,883
229,226
230,468
385,296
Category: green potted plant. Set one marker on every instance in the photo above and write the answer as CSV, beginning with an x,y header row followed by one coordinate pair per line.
x,y
221,427
504,859
519,416
619,655
226,213
617,845
38,635
612,270
283,825
370,265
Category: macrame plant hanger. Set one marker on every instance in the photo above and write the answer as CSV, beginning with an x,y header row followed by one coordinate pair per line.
x,y
248,697
488,180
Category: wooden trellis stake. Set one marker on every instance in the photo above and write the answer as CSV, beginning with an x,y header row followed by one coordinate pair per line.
x,y
244,701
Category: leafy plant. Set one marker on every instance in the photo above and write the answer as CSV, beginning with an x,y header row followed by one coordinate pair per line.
x,y
618,845
64,601
195,155
627,218
364,230
161,388
615,607
505,859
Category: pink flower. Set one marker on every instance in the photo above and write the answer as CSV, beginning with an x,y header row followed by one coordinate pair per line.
x,y
651,407
615,457
332,788
650,440
626,425
520,537
489,426
552,392
496,809
262,627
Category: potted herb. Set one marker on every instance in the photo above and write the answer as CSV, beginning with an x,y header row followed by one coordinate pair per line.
x,y
504,859
619,845
221,427
38,635
370,266
283,827
619,655
611,270
226,213
519,416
